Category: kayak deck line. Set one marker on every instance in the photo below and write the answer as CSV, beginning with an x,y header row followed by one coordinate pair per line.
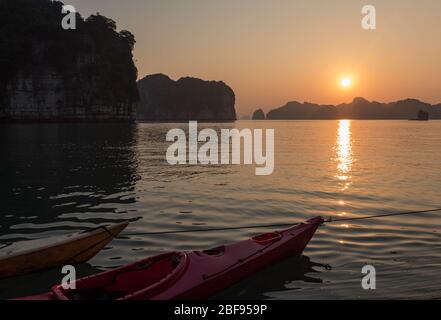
x,y
97,244
111,235
189,275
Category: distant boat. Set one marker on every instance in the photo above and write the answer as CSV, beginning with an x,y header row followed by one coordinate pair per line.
x,y
422,116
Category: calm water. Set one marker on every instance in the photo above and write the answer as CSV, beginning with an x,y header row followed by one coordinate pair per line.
x,y
69,177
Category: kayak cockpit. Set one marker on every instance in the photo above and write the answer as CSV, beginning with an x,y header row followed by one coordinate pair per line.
x,y
144,278
267,238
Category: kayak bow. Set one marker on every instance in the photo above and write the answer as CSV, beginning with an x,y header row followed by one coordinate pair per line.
x,y
35,255
190,275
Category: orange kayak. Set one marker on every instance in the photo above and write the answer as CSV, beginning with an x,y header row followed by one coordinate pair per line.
x,y
35,255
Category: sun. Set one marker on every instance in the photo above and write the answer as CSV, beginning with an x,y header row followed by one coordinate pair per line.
x,y
346,83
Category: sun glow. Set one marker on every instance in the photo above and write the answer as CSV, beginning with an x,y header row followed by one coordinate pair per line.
x,y
346,83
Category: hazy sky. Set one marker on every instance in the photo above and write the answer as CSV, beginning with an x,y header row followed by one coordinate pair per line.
x,y
271,52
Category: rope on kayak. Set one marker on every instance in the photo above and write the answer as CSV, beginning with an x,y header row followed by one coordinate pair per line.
x,y
331,220
98,228
212,229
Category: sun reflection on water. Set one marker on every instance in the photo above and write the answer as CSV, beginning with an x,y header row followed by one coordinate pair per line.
x,y
344,159
344,156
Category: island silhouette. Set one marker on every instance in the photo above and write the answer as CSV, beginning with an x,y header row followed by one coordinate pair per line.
x,y
163,99
359,108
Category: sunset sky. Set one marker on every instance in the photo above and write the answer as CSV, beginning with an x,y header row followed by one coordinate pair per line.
x,y
271,52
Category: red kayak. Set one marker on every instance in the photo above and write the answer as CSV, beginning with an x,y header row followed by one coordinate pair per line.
x,y
189,275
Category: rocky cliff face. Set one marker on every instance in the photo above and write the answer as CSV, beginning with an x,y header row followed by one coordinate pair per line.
x,y
52,74
359,108
45,94
162,99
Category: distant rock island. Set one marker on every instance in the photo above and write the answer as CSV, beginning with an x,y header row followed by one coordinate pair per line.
x,y
163,99
51,74
259,115
359,108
